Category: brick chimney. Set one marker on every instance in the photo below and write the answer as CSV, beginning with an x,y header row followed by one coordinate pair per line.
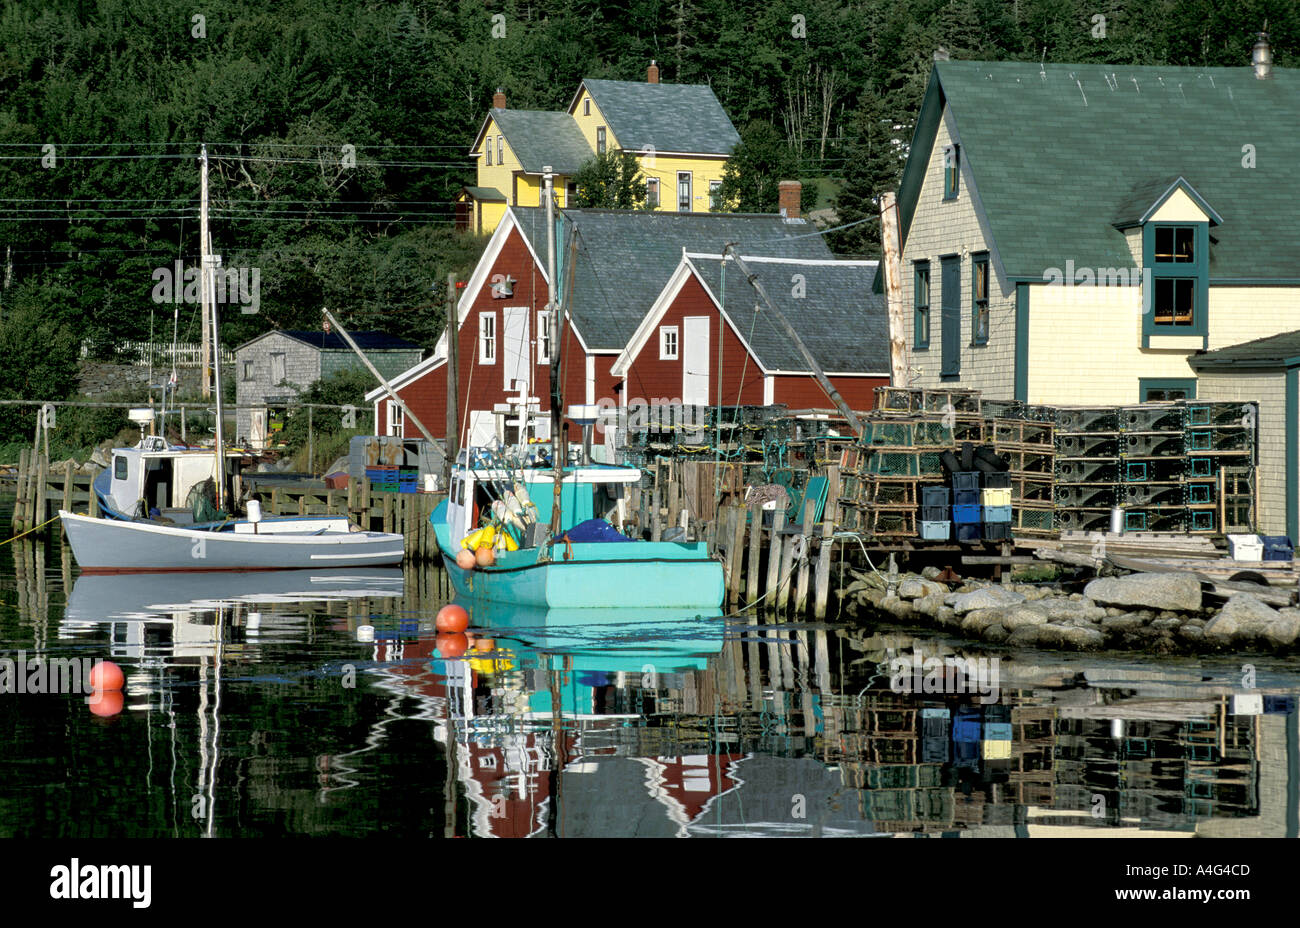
x,y
499,99
1261,57
652,73
790,192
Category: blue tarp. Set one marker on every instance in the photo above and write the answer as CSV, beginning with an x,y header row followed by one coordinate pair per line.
x,y
595,530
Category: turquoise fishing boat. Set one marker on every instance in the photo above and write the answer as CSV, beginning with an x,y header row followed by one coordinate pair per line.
x,y
559,572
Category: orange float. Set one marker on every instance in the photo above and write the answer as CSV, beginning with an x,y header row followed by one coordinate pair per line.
x,y
451,646
106,676
485,557
451,618
465,559
107,705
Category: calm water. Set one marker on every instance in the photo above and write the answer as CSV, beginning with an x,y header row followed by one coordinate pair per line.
x,y
252,708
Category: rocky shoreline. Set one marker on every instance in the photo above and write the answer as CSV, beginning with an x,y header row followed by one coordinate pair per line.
x,y
1160,613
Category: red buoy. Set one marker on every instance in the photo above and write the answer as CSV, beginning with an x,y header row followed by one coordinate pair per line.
x,y
106,676
451,646
485,557
106,704
451,618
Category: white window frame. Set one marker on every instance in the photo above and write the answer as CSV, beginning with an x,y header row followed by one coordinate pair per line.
x,y
487,338
690,191
501,149
283,365
665,331
586,107
715,196
601,144
396,421
652,199
247,372
489,151
543,337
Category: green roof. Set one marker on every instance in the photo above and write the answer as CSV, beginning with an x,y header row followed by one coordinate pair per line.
x,y
625,257
486,194
539,138
844,324
1273,351
1060,153
664,117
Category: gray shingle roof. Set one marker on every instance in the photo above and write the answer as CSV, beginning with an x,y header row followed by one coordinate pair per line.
x,y
666,117
1272,351
1058,154
844,324
366,341
539,138
626,256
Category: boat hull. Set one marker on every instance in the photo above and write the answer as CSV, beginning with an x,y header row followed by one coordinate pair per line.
x,y
634,574
112,546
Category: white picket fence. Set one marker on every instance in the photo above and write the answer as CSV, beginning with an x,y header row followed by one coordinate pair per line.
x,y
186,354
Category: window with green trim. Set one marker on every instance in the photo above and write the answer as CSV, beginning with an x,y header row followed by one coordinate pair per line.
x,y
1176,260
1156,389
921,303
951,171
980,299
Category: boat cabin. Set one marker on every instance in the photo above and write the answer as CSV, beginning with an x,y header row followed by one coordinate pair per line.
x,y
586,492
156,475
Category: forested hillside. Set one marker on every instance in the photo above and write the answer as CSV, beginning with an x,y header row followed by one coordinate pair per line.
x,y
103,106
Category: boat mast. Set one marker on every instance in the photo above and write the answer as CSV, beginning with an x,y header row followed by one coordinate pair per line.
x,y
209,305
557,388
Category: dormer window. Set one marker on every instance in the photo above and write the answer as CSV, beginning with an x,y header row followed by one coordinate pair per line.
x,y
1176,279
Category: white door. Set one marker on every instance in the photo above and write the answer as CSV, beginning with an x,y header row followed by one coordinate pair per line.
x,y
257,429
516,354
482,427
695,361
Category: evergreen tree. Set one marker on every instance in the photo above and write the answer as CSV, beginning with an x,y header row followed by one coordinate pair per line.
x,y
612,180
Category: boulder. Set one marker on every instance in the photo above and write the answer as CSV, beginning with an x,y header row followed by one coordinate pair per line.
x,y
947,618
930,573
1178,592
929,605
991,597
918,589
1026,636
1080,639
1191,634
1062,610
1121,624
976,621
1282,631
898,608
870,596
1050,636
996,634
1015,616
1243,618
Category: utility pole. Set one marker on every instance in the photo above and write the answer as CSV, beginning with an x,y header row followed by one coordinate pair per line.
x,y
890,241
558,450
209,304
793,335
206,383
452,332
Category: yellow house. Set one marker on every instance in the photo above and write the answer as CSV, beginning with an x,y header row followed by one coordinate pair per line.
x,y
1084,234
679,133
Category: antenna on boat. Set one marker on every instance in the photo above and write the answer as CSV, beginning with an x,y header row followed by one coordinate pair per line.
x,y
558,453
206,263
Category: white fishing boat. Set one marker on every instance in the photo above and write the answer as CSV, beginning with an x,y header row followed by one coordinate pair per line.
x,y
164,508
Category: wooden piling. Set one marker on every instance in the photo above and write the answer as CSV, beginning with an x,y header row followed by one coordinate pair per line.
x,y
774,554
822,582
656,518
93,509
20,504
755,551
737,542
806,530
38,491
831,512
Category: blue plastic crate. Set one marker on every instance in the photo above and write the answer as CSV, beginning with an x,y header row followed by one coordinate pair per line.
x,y
997,481
1277,547
997,513
934,514
997,531
934,496
997,731
936,713
969,531
967,726
966,479
966,514
965,497
935,531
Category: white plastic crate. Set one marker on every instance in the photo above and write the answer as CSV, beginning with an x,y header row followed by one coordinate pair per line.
x,y
1246,547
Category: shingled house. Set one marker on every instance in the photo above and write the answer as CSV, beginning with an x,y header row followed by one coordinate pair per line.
x,y
1104,234
631,283
679,133
1074,233
274,368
